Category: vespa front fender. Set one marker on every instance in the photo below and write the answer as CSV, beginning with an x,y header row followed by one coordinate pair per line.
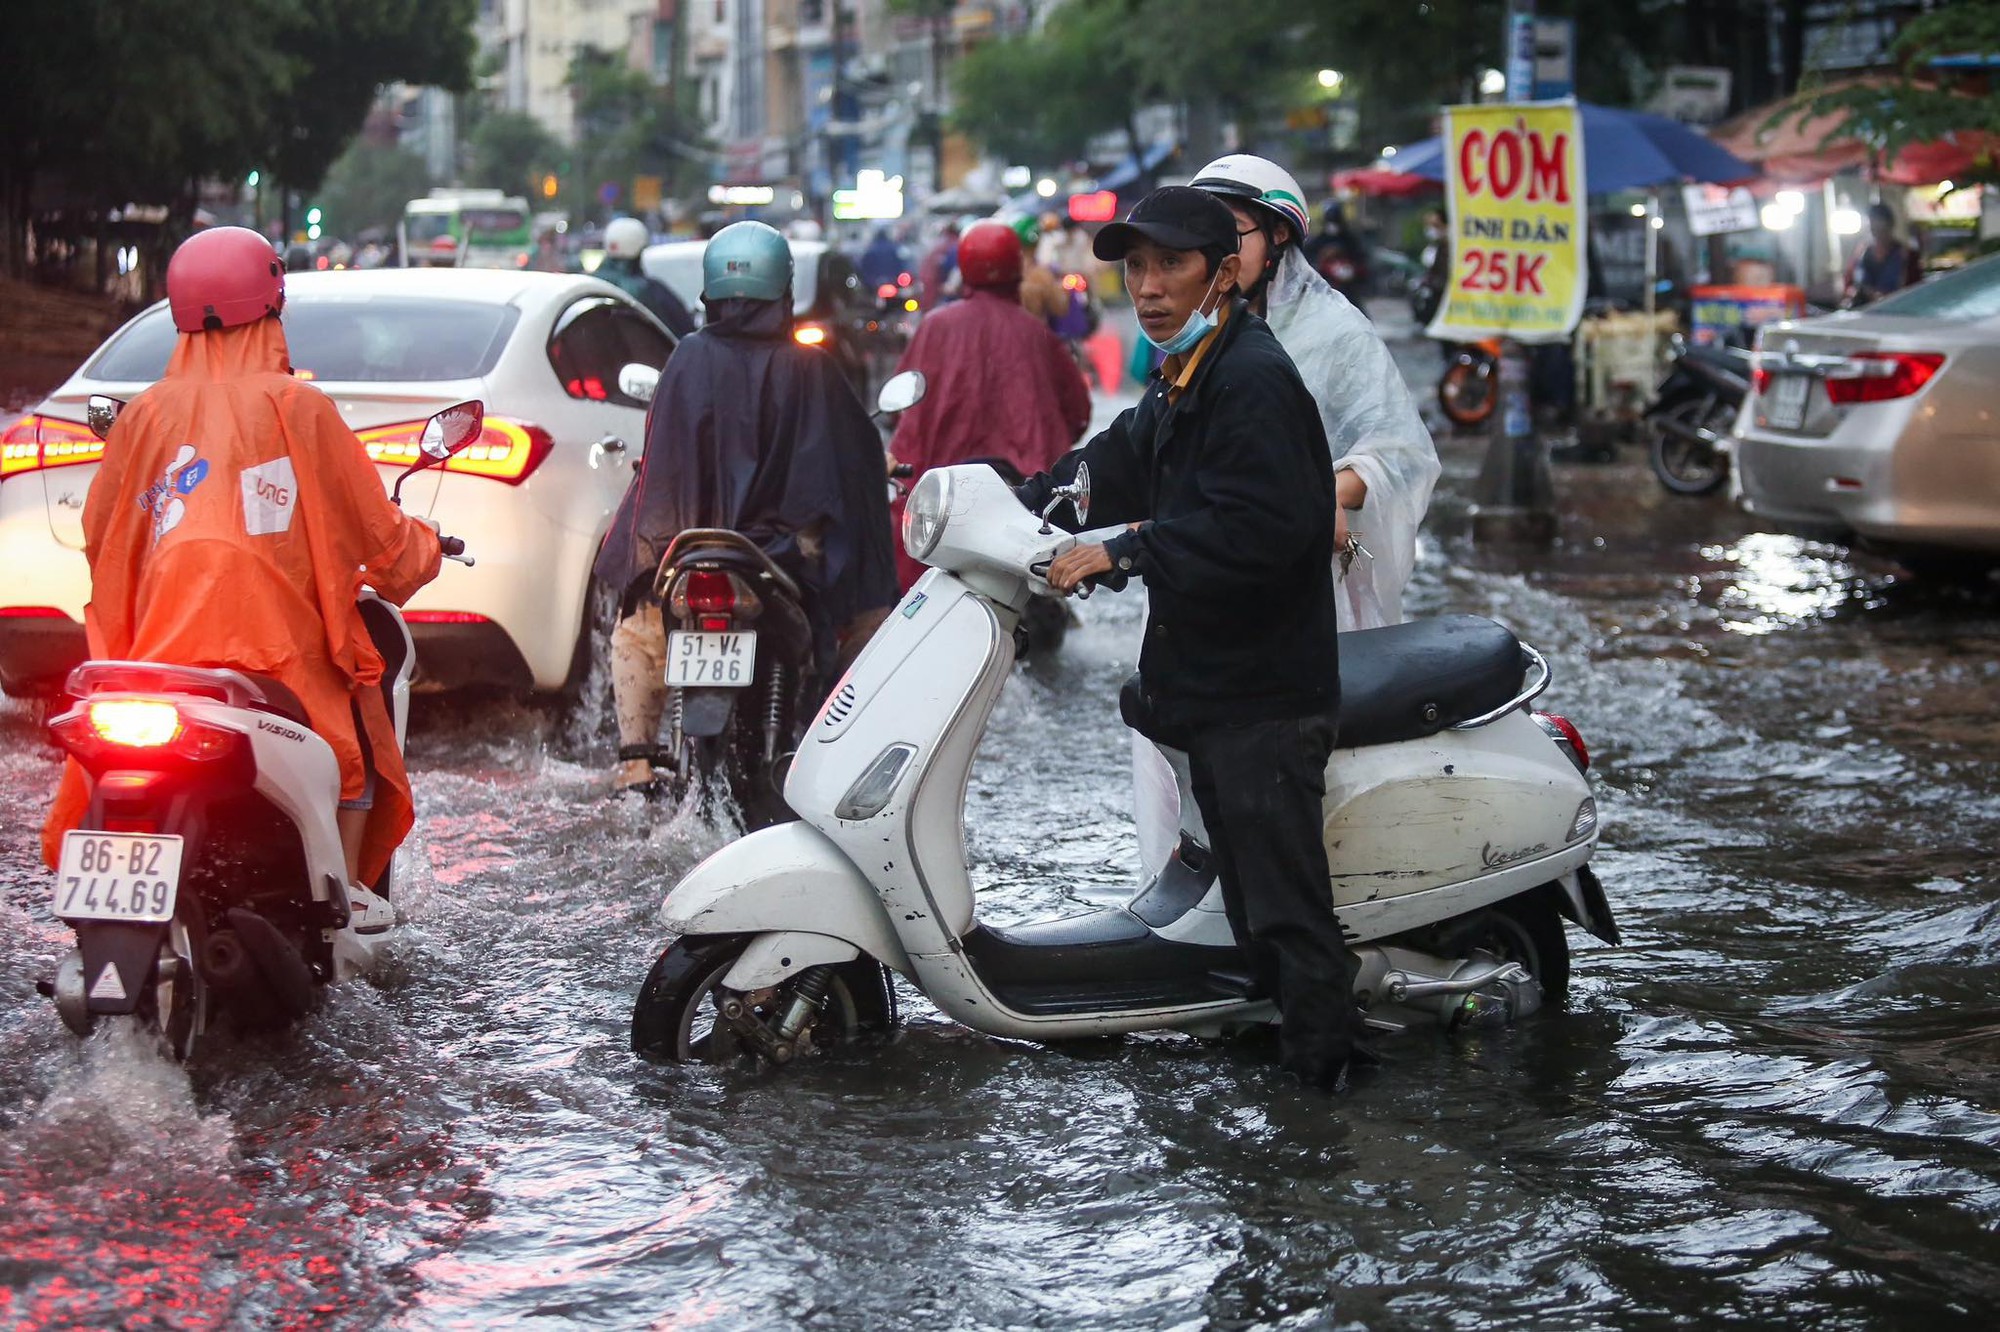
x,y
788,878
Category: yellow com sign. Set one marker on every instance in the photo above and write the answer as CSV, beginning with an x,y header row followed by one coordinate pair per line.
x,y
1514,192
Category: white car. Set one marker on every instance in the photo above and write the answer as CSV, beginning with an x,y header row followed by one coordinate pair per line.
x,y
391,346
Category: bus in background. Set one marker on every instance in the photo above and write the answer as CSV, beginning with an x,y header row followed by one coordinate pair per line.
x,y
465,229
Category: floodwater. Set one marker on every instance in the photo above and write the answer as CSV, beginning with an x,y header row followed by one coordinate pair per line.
x,y
1772,1106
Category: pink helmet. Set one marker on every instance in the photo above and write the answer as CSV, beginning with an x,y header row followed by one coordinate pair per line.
x,y
223,277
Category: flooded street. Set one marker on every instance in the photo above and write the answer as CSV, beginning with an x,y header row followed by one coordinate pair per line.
x,y
1773,1105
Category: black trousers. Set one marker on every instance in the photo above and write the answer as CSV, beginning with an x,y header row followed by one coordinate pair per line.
x,y
1260,788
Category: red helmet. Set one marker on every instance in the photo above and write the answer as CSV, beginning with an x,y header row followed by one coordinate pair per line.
x,y
223,277
989,255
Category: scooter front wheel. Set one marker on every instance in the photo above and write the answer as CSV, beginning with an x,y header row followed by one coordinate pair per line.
x,y
685,1015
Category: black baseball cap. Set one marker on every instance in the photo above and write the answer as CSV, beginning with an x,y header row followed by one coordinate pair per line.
x,y
1179,217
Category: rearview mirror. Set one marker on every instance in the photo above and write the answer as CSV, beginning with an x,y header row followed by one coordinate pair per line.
x,y
102,413
452,429
1077,492
639,382
444,434
901,392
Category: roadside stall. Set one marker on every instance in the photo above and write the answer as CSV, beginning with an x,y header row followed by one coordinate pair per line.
x,y
1620,355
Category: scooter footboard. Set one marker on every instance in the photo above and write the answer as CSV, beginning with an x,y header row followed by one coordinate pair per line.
x,y
791,882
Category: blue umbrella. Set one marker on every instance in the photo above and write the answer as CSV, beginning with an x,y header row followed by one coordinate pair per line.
x,y
1622,150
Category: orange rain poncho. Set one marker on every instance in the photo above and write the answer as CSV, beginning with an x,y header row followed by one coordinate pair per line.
x,y
231,523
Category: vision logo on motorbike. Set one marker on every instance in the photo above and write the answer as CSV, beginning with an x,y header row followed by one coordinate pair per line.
x,y
275,729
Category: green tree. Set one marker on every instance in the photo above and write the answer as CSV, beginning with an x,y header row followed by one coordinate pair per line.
x,y
627,126
1037,98
511,151
1924,102
368,186
110,101
340,52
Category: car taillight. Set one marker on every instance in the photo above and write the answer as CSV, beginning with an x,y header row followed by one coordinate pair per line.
x,y
1760,378
1563,733
1075,282
35,442
886,292
1880,376
443,617
506,450
809,335
710,593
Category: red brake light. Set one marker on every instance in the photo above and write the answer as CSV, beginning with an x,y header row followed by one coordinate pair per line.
x,y
887,291
506,450
1760,378
710,593
1881,376
1569,733
36,442
135,723
902,279
443,617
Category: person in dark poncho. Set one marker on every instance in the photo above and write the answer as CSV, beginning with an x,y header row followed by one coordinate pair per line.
x,y
748,431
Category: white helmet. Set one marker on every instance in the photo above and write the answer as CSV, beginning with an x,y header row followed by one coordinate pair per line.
x,y
1257,180
625,237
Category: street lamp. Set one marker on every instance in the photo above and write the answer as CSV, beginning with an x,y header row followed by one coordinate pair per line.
x,y
1492,82
1331,79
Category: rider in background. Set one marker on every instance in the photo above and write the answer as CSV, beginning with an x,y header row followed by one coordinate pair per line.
x,y
1042,293
1000,386
624,242
751,432
232,523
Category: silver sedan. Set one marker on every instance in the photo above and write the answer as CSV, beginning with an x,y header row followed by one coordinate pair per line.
x,y
1883,426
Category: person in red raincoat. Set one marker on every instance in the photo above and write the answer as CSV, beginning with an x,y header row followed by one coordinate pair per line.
x,y
1000,387
231,524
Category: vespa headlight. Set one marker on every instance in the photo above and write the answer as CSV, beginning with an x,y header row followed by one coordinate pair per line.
x,y
924,515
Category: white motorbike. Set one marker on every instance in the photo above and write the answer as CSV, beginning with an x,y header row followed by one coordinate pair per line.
x,y
1459,829
207,874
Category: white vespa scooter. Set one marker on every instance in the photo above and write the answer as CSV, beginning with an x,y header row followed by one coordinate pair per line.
x,y
207,874
1459,828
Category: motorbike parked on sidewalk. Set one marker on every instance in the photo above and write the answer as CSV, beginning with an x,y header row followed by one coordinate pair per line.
x,y
207,879
1459,829
1692,413
1470,385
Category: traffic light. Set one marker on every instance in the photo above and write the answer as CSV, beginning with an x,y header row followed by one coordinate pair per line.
x,y
313,216
550,185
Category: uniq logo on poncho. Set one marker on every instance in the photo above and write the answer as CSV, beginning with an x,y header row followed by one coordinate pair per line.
x,y
166,498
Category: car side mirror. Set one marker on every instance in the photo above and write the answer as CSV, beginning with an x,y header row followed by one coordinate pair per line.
x,y
102,413
900,393
639,382
446,433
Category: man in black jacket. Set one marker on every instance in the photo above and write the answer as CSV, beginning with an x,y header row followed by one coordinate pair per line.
x,y
1224,471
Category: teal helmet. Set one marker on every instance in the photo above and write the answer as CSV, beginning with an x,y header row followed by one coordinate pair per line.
x,y
746,259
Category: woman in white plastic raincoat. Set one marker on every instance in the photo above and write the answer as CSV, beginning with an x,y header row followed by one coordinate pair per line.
x,y
1384,462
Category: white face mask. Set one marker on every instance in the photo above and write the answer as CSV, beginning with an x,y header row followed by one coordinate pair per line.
x,y
1198,326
